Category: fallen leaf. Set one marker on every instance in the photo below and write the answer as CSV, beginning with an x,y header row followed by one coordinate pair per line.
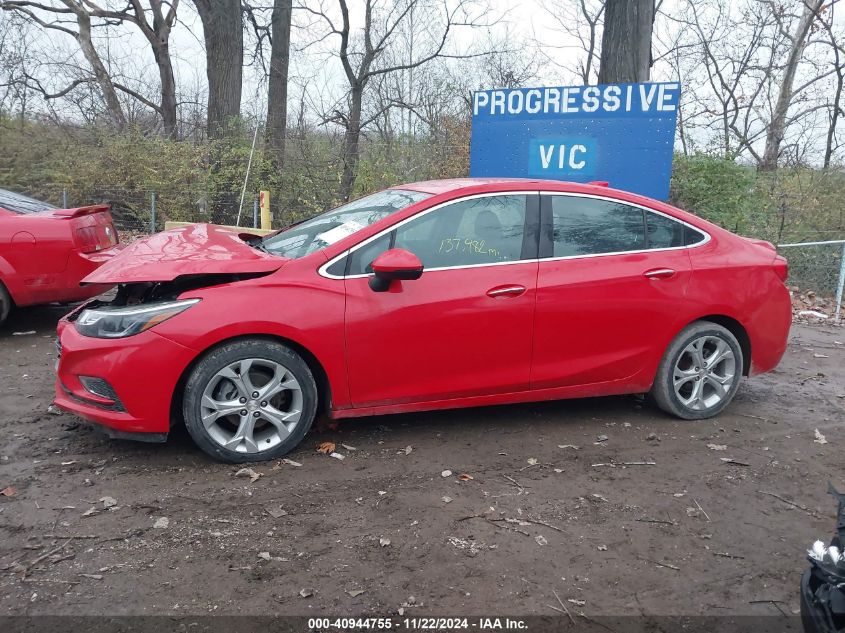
x,y
162,523
532,461
446,473
108,502
337,456
355,592
384,542
306,593
717,447
541,540
349,448
90,512
446,499
601,438
326,448
276,512
408,450
54,410
9,491
602,548
820,439
264,555
248,472
290,462
465,477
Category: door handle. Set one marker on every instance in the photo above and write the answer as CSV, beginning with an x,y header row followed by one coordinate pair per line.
x,y
659,273
506,291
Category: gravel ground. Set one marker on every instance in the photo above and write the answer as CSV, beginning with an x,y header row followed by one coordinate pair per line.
x,y
707,517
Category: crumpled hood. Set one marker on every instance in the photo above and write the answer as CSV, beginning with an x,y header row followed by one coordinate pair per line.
x,y
197,249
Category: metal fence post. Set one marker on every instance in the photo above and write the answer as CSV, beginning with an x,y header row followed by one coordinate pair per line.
x,y
839,286
153,212
64,198
255,213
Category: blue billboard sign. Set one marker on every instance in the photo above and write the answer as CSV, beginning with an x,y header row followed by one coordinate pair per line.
x,y
621,133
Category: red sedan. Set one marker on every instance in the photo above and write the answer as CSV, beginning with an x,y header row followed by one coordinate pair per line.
x,y
431,295
45,252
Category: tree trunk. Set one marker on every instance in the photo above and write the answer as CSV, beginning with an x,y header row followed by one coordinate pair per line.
x,y
277,97
626,41
350,142
222,24
161,53
834,121
777,126
83,20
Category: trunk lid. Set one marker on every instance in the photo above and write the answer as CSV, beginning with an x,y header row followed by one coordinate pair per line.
x,y
199,249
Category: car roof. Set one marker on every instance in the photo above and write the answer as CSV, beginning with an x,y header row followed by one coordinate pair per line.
x,y
436,187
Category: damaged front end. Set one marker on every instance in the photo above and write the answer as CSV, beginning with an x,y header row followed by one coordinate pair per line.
x,y
136,307
823,585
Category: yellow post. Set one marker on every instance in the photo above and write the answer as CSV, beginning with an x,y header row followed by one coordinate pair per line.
x,y
264,204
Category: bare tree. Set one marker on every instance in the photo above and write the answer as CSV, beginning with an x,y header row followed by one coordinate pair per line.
x,y
363,56
626,41
158,35
222,24
580,22
798,42
835,39
58,21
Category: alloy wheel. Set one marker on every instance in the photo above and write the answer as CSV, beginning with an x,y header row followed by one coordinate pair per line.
x,y
251,405
704,373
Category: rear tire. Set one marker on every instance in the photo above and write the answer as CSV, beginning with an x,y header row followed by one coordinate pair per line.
x,y
5,303
251,400
700,372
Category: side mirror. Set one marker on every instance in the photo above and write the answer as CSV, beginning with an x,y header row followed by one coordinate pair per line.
x,y
395,264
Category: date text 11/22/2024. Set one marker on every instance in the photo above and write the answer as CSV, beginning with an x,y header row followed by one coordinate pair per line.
x,y
417,624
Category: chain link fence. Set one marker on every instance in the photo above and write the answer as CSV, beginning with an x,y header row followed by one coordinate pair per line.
x,y
147,210
819,267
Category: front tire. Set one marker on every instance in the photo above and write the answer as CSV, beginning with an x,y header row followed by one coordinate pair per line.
x,y
250,400
700,372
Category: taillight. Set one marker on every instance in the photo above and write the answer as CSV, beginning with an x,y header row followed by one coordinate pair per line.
x,y
87,239
93,232
781,267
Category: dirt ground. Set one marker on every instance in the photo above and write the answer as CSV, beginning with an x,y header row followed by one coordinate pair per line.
x,y
714,517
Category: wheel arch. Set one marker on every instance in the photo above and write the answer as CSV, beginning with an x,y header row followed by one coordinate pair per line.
x,y
738,330
320,376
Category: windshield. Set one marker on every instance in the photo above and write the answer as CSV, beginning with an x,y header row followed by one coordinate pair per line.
x,y
332,226
17,203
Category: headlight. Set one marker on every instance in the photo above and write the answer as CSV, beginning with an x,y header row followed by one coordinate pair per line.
x,y
107,322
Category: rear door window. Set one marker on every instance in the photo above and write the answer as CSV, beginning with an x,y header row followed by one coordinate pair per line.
x,y
592,226
663,232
